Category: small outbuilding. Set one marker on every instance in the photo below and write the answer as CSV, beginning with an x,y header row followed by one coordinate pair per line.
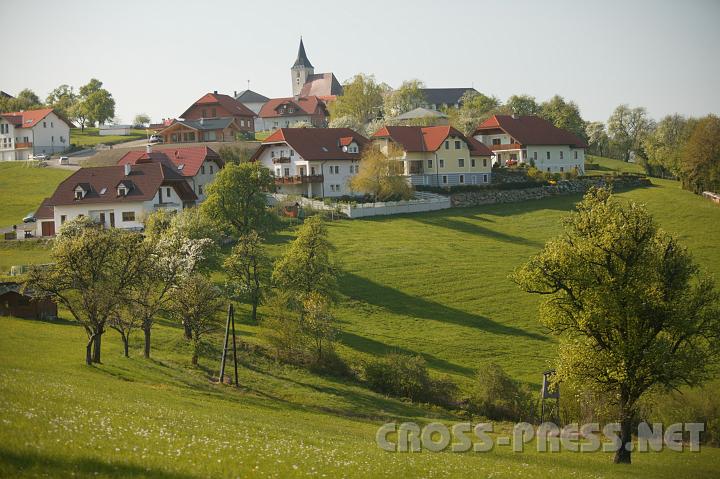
x,y
115,130
24,304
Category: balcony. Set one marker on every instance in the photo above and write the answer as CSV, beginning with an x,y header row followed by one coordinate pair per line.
x,y
21,145
508,146
281,159
298,180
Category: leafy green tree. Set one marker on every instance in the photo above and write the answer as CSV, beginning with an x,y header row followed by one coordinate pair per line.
x,y
700,157
235,154
100,106
244,268
319,324
195,303
62,99
25,100
236,198
598,140
92,272
522,105
474,109
362,99
631,308
663,146
407,97
381,175
141,120
627,128
306,267
80,114
563,114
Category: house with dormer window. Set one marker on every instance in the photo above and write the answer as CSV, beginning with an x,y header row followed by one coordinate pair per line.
x,y
115,196
283,112
312,162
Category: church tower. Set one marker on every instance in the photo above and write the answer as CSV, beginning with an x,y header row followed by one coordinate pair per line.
x,y
301,70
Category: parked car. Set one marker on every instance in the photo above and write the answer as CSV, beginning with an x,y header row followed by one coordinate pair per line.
x,y
64,160
156,139
42,157
30,218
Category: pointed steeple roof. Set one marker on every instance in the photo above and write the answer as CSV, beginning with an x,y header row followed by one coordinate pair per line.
x,y
302,59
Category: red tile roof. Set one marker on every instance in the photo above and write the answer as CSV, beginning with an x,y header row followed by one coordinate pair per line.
x,y
310,105
144,179
316,143
45,211
30,118
428,138
321,84
530,130
191,158
226,101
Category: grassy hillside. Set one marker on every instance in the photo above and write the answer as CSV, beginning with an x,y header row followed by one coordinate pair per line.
x,y
91,137
600,165
433,284
23,187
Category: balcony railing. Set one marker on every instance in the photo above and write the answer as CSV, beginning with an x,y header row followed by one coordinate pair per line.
x,y
281,159
20,145
298,180
507,146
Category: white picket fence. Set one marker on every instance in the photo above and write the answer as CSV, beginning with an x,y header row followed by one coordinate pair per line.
x,y
422,202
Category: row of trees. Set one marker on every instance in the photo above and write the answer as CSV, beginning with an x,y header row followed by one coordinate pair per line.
x,y
367,105
91,104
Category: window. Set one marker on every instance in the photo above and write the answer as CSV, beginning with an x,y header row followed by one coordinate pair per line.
x,y
312,170
168,192
447,145
128,216
277,172
272,154
444,179
441,163
576,155
496,141
122,190
457,144
484,162
561,169
202,170
332,187
485,178
472,162
535,155
52,139
214,113
211,169
200,190
429,163
51,125
336,169
204,113
78,194
286,172
337,188
548,154
462,179
548,170
44,124
62,219
461,162
561,155
292,152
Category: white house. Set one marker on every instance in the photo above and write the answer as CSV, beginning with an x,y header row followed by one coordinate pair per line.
x,y
33,132
115,196
252,100
312,162
532,140
197,164
115,130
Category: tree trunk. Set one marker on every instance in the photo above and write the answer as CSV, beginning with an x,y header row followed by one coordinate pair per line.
x,y
126,340
622,455
147,342
194,359
96,348
88,350
188,330
254,310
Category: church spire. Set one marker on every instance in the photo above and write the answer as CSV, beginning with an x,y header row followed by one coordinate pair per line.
x,y
302,59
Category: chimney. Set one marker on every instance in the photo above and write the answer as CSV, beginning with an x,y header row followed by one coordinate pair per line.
x,y
128,168
215,92
234,93
148,149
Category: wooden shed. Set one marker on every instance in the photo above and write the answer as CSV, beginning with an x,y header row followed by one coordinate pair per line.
x,y
15,302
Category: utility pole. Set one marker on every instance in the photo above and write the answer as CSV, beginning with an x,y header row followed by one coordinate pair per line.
x,y
230,325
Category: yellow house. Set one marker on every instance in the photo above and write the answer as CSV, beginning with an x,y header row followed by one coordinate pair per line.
x,y
438,155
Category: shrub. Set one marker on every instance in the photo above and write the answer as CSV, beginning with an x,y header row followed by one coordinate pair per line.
x,y
399,375
497,396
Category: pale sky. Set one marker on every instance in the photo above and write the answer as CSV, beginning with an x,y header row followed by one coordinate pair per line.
x,y
157,57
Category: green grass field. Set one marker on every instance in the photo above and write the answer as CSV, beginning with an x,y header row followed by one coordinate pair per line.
x,y
433,284
600,165
91,137
23,187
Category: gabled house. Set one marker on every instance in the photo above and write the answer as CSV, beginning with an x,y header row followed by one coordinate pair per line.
x,y
439,98
117,196
532,140
198,131
33,132
437,155
216,105
312,162
252,100
283,112
199,165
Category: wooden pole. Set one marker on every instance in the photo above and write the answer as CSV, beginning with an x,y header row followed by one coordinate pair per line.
x,y
232,315
225,345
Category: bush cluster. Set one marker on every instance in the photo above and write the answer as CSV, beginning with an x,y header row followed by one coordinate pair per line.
x,y
497,396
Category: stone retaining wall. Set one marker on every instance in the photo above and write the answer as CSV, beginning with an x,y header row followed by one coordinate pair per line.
x,y
564,187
